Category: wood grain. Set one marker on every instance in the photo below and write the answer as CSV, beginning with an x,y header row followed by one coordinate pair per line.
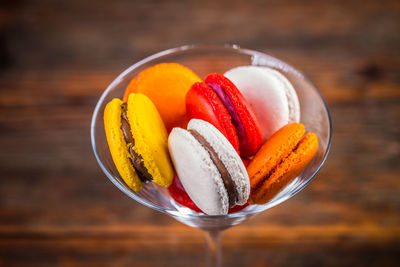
x,y
58,209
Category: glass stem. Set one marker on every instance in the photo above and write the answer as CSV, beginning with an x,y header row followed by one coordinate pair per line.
x,y
214,254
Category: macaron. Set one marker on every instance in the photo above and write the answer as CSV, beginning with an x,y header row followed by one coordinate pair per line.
x,y
270,95
209,168
137,139
279,161
203,103
166,84
219,102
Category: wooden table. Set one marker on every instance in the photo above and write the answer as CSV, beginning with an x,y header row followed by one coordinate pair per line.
x,y
58,209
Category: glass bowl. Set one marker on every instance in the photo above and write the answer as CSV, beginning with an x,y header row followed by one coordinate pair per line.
x,y
204,60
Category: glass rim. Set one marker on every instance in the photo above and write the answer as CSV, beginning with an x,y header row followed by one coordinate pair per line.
x,y
227,47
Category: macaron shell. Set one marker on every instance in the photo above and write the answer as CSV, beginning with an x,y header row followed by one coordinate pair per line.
x,y
198,174
270,95
273,151
203,103
178,193
166,84
150,137
118,146
289,169
291,95
252,142
227,154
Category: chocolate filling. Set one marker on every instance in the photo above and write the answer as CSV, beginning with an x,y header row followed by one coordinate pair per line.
x,y
237,122
136,160
226,177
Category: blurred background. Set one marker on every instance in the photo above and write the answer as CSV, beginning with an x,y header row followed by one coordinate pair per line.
x,y
58,209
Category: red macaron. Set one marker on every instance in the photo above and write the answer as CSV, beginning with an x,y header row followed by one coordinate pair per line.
x,y
203,103
218,101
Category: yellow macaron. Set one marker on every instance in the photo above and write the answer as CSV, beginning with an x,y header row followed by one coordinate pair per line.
x,y
137,139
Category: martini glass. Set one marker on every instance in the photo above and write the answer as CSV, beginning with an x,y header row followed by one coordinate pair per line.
x,y
204,60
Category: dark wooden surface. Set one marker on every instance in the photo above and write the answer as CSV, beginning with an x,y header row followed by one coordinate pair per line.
x,y
58,209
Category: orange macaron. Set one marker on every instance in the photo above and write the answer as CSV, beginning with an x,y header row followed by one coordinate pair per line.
x,y
166,84
282,157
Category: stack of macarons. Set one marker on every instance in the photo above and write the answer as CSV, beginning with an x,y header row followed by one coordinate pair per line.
x,y
196,138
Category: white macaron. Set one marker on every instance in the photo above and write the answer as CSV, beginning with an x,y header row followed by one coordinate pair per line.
x,y
270,95
208,167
